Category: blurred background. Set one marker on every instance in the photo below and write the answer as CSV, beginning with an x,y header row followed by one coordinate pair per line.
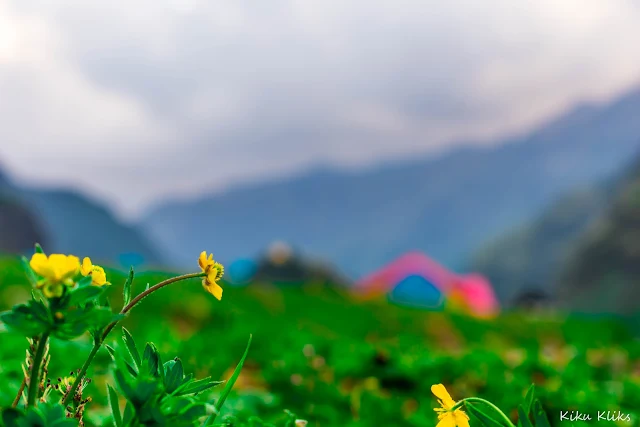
x,y
403,192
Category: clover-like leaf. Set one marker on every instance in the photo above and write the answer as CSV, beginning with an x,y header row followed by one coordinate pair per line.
x,y
29,319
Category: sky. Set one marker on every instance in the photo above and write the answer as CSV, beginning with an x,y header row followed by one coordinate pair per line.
x,y
138,102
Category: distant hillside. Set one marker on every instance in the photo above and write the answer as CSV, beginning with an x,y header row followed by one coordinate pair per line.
x,y
63,221
603,273
531,257
447,206
19,229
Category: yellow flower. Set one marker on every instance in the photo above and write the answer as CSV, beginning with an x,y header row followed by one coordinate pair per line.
x,y
214,272
87,266
98,276
447,417
55,268
205,262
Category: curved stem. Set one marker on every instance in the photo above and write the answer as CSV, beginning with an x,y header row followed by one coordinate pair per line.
x,y
98,341
146,293
486,402
34,376
20,391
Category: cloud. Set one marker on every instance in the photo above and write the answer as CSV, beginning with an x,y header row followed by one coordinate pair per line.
x,y
182,97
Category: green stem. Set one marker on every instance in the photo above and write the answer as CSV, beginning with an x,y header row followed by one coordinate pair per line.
x,y
34,376
486,402
98,342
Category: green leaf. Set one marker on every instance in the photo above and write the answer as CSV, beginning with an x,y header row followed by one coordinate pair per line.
x,y
83,295
31,276
111,351
126,292
291,421
540,416
27,319
229,385
131,347
128,415
38,249
151,359
85,281
115,408
523,417
198,386
10,417
528,399
77,322
173,376
123,384
481,415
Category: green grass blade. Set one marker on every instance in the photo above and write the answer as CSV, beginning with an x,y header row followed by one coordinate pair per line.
x,y
115,409
229,385
523,417
131,347
528,399
481,415
126,292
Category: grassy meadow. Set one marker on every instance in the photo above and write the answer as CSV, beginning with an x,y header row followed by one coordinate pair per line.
x,y
336,362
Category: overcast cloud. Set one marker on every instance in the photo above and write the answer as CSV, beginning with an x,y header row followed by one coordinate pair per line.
x,y
181,97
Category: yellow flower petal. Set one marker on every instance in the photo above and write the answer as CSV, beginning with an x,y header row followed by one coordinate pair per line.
x,y
213,288
40,265
55,267
443,395
205,262
87,267
98,276
461,419
447,421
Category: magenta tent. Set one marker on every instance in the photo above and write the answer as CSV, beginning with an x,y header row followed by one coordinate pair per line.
x,y
416,280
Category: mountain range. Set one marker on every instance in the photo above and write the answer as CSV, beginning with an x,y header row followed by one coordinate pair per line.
x,y
68,222
448,206
601,273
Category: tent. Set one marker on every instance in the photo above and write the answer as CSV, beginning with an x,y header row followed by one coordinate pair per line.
x,y
416,280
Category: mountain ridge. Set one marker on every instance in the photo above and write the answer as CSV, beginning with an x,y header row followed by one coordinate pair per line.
x,y
446,206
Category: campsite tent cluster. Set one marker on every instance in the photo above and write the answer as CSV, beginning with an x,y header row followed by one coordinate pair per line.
x,y
412,280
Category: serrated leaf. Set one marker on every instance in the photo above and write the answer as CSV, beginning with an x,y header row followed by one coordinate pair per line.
x,y
131,347
26,320
79,321
227,388
126,291
83,295
115,408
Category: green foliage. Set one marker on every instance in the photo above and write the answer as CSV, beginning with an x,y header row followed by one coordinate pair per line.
x,y
331,360
43,415
157,393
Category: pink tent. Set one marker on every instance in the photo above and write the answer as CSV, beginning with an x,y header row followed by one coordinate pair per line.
x,y
415,279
